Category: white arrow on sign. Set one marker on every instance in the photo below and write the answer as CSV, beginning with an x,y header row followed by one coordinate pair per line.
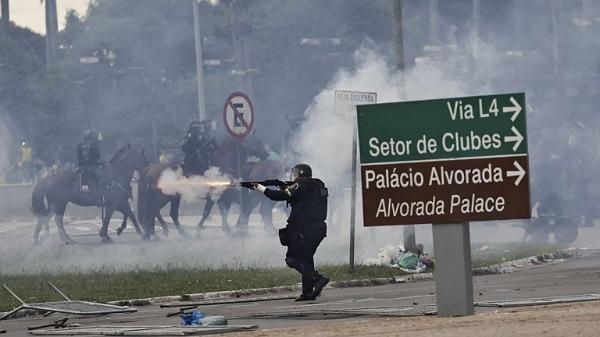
x,y
520,173
517,138
516,108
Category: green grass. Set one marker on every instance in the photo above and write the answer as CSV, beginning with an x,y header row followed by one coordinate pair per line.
x,y
498,253
108,284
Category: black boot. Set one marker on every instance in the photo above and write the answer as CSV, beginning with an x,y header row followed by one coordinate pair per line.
x,y
320,283
305,297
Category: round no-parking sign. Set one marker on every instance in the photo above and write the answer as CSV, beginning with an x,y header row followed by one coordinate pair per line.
x,y
238,115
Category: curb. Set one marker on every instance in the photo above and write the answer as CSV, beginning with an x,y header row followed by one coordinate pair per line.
x,y
505,267
235,294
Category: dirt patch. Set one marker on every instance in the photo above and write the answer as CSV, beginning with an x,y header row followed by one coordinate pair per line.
x,y
549,321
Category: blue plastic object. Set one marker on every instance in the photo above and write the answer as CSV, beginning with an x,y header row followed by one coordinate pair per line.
x,y
191,318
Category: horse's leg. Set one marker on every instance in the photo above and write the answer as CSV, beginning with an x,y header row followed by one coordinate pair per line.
x,y
151,211
266,213
108,212
129,213
224,206
208,205
123,224
46,223
38,228
60,212
163,224
174,213
250,203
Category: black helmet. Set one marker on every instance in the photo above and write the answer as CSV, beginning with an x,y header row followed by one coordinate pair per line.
x,y
301,170
201,126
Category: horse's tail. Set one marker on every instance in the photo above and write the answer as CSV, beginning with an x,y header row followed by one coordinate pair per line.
x,y
38,207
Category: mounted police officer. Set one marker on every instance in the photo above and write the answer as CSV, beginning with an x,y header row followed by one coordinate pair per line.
x,y
89,159
198,145
305,228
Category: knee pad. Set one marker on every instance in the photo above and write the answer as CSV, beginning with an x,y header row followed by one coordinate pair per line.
x,y
291,262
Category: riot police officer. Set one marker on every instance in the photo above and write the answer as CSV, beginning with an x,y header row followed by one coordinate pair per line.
x,y
199,146
305,228
89,158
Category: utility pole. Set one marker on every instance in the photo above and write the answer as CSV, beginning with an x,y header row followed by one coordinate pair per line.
x,y
238,10
409,230
434,22
398,35
5,19
476,17
556,31
51,33
199,63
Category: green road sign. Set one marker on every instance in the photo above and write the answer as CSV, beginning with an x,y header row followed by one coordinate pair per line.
x,y
442,128
445,160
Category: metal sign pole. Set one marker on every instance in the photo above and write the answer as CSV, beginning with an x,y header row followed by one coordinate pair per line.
x,y
239,173
353,200
453,275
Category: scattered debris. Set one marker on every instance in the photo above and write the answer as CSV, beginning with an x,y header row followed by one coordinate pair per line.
x,y
67,307
483,248
397,256
191,318
61,323
181,310
539,301
148,330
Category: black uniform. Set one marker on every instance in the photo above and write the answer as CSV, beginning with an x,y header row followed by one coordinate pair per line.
x,y
198,152
89,159
306,226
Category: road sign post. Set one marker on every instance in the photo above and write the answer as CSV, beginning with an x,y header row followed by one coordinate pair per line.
x,y
345,110
453,275
238,117
445,161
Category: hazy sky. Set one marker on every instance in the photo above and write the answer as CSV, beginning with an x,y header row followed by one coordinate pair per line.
x,y
30,13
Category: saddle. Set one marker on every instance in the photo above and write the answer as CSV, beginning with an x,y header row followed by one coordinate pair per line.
x,y
96,180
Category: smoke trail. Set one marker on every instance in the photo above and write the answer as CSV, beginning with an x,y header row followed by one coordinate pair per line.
x,y
213,183
326,143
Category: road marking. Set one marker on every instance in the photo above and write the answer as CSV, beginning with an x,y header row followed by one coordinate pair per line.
x,y
243,305
361,300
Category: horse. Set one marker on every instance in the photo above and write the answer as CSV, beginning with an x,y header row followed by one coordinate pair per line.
x,y
261,170
232,158
151,200
63,187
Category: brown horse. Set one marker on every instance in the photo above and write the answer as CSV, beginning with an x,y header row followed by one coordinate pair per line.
x,y
63,187
151,200
232,158
261,170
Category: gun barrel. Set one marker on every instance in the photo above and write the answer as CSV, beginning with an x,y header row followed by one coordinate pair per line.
x,y
268,182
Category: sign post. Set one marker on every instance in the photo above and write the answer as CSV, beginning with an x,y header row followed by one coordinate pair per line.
x,y
445,162
238,117
345,110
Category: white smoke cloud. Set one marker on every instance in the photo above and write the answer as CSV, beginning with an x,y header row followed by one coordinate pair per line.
x,y
325,143
213,183
323,136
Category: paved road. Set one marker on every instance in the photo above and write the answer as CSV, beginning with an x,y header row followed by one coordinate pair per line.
x,y
572,277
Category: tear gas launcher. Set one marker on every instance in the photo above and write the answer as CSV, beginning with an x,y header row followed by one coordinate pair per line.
x,y
269,182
